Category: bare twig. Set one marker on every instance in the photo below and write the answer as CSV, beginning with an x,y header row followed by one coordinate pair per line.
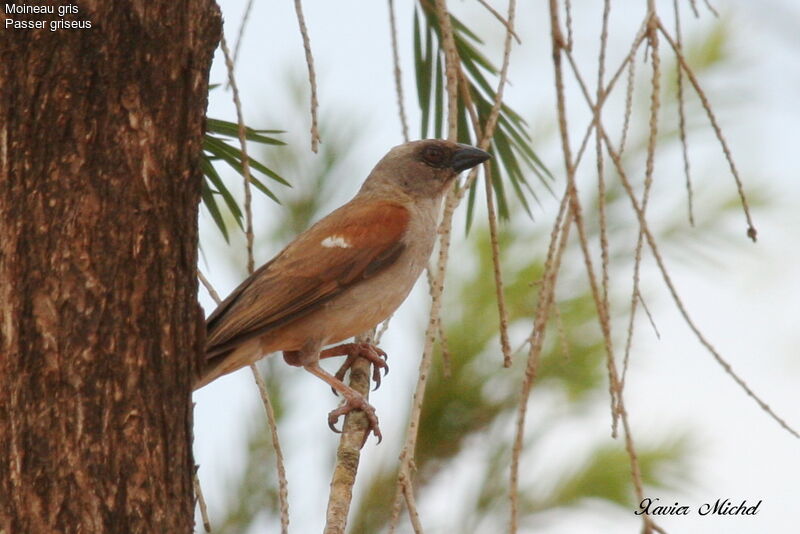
x,y
248,211
626,123
245,18
615,391
505,344
711,8
682,115
752,233
485,140
413,514
601,180
693,3
312,77
405,486
494,114
398,77
649,315
499,17
676,297
283,485
655,105
201,501
447,365
348,453
568,13
208,286
575,205
245,158
558,241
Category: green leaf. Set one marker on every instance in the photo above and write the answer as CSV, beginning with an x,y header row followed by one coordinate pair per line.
x,y
216,148
212,176
231,129
211,205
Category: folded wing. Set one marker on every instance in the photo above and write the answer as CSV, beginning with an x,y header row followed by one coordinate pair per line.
x,y
353,243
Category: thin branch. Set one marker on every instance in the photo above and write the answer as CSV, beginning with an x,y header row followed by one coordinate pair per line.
x,y
452,65
245,158
245,18
649,316
617,401
693,3
505,344
494,113
348,453
201,501
405,486
682,115
208,286
575,205
601,180
568,13
413,515
499,17
444,348
676,297
655,105
283,485
711,8
485,140
552,265
312,77
398,75
752,233
626,122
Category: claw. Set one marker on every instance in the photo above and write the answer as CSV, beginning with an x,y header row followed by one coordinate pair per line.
x,y
332,420
357,403
372,353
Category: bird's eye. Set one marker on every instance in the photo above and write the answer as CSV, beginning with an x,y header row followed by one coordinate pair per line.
x,y
434,155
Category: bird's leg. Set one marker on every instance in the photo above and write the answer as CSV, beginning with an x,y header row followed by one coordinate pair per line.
x,y
353,350
353,401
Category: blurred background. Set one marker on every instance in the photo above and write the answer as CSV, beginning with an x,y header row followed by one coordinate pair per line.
x,y
700,438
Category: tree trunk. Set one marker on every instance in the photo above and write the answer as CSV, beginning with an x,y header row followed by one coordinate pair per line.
x,y
100,330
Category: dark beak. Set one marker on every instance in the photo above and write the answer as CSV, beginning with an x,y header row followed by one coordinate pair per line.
x,y
467,157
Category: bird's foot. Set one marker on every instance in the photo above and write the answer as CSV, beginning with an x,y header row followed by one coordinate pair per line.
x,y
356,401
368,351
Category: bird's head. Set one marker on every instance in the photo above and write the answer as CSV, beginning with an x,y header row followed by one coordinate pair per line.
x,y
424,169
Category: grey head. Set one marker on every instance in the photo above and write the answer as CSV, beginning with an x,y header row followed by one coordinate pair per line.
x,y
423,169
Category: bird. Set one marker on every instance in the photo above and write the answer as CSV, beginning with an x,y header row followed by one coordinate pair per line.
x,y
342,276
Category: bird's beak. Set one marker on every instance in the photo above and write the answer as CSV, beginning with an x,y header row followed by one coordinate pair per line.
x,y
467,157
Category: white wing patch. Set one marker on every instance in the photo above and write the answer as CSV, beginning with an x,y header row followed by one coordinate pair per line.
x,y
335,241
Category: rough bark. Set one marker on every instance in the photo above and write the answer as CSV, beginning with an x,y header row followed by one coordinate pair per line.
x,y
100,331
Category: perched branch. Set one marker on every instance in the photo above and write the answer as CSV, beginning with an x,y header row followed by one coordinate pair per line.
x,y
348,453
